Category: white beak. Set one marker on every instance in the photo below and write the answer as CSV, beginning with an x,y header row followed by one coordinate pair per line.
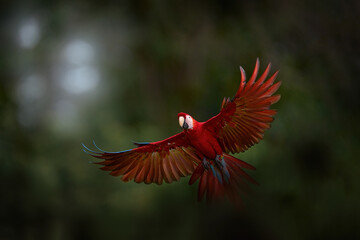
x,y
181,121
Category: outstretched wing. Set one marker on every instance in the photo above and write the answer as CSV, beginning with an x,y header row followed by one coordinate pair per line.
x,y
243,119
166,160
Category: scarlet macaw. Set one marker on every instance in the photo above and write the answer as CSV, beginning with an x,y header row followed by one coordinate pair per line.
x,y
202,148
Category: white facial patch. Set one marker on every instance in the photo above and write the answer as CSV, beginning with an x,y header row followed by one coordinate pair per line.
x,y
189,122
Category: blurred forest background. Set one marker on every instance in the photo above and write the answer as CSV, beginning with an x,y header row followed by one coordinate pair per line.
x,y
116,71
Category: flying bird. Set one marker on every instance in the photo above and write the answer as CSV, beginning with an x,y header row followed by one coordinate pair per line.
x,y
203,149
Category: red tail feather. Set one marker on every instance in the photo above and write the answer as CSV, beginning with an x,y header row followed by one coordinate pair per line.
x,y
210,186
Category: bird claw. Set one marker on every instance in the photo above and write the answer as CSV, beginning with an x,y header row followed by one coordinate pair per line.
x,y
205,163
219,161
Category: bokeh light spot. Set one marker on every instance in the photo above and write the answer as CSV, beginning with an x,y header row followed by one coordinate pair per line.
x,y
79,52
29,33
80,79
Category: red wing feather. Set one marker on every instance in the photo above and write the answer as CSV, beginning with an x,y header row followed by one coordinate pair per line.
x,y
243,120
166,160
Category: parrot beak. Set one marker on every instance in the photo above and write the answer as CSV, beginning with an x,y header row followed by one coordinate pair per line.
x,y
181,121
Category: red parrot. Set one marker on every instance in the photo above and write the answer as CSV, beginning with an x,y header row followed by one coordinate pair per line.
x,y
202,148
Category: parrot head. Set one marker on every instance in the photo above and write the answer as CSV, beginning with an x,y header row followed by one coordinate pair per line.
x,y
186,121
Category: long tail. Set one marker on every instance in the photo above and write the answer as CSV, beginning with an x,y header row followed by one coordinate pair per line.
x,y
217,185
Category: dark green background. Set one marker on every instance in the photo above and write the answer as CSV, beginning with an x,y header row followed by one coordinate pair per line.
x,y
158,58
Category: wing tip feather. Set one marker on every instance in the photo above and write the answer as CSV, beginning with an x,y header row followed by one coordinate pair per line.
x,y
242,82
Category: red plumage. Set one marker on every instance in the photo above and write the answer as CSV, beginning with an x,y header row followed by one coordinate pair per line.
x,y
202,149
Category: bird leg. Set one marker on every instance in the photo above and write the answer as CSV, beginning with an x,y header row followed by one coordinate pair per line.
x,y
205,163
220,162
208,165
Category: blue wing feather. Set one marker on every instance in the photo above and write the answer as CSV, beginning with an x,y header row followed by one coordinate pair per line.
x,y
89,151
